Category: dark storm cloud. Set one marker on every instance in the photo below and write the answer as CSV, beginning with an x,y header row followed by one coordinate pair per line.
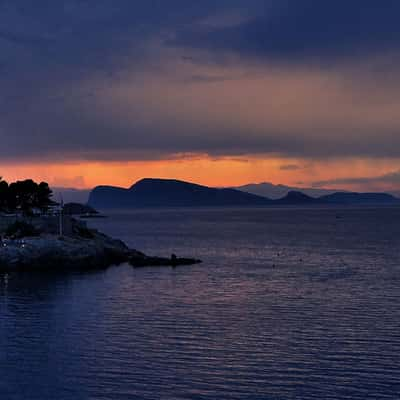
x,y
302,29
22,39
50,50
91,32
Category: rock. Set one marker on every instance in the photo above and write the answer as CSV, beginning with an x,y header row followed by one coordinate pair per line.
x,y
78,209
174,261
55,253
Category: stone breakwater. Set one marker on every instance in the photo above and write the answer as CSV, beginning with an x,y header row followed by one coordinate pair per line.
x,y
54,253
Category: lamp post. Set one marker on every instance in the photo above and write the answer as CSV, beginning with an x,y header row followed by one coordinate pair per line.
x,y
60,214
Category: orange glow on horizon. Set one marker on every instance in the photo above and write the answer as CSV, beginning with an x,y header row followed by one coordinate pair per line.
x,y
203,170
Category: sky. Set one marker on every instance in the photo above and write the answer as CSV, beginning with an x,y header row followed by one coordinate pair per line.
x,y
221,92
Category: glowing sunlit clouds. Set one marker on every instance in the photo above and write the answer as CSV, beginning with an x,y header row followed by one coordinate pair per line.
x,y
220,171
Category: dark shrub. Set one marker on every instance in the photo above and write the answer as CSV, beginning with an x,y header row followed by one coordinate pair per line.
x,y
84,232
21,229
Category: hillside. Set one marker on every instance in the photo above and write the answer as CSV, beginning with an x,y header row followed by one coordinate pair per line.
x,y
276,192
174,193
170,193
360,198
297,198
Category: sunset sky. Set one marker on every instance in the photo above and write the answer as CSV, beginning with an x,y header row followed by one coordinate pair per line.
x,y
227,92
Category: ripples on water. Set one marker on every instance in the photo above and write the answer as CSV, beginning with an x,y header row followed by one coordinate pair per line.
x,y
289,304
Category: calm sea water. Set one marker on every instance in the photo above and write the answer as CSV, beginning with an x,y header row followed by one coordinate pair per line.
x,y
288,304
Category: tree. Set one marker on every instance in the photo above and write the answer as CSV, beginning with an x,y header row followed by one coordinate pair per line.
x,y
23,195
27,195
44,194
3,195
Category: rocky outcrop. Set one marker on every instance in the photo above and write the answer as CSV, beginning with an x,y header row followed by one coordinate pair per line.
x,y
54,253
79,209
140,261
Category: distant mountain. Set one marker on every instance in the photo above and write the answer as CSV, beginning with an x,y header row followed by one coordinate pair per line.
x,y
71,195
276,192
174,193
170,193
299,198
359,198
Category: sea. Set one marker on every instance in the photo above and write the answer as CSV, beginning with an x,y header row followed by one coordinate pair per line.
x,y
289,303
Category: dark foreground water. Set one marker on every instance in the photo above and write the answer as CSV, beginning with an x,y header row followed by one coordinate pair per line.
x,y
289,304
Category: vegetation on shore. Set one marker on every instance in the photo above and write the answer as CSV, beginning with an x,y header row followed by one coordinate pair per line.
x,y
21,229
25,197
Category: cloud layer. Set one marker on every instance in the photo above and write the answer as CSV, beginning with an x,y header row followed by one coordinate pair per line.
x,y
306,29
106,80
389,180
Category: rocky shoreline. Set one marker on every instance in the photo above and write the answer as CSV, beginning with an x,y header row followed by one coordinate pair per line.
x,y
56,253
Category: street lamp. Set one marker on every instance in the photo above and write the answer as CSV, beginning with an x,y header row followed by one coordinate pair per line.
x,y
60,214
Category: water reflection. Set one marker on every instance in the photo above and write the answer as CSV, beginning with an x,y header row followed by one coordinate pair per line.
x,y
235,327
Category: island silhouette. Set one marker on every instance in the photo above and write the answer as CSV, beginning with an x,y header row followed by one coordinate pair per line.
x,y
151,192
